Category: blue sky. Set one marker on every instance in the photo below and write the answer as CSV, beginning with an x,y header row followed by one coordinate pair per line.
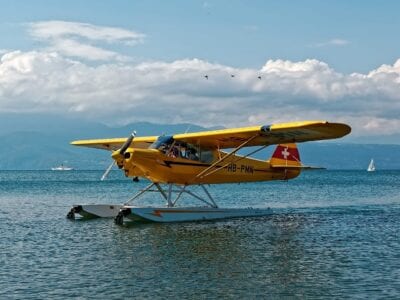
x,y
238,33
318,59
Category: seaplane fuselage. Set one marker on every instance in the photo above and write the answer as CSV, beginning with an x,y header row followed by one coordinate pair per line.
x,y
162,167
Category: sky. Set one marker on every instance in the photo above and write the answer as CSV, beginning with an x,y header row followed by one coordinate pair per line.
x,y
212,63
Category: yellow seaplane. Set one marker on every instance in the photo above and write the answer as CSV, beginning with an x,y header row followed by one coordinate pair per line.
x,y
175,163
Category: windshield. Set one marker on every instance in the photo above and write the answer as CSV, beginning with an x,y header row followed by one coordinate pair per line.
x,y
162,143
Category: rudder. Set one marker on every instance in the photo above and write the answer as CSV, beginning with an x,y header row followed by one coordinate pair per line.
x,y
286,155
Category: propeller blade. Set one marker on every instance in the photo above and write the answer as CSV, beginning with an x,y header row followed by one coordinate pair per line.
x,y
107,171
127,143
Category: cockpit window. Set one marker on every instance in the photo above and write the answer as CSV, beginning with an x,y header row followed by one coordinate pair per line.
x,y
163,143
175,149
189,152
207,156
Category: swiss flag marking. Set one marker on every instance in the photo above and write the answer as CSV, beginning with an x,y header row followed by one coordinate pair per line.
x,y
286,153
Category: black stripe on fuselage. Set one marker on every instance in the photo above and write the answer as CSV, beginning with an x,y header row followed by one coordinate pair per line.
x,y
168,164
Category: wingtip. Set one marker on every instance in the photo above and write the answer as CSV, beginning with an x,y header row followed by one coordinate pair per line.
x,y
75,143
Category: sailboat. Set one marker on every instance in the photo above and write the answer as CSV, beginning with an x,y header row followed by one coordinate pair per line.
x,y
371,166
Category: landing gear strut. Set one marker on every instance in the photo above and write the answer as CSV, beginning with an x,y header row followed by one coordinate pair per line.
x,y
170,194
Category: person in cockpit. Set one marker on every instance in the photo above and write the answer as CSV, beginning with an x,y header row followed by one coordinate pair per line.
x,y
191,154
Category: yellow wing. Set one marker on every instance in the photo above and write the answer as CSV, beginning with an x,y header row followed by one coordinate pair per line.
x,y
115,143
282,133
294,132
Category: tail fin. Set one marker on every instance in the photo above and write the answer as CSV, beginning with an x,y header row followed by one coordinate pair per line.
x,y
286,156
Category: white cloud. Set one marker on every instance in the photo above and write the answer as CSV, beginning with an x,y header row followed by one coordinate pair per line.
x,y
3,51
83,40
48,30
74,48
331,42
338,42
178,91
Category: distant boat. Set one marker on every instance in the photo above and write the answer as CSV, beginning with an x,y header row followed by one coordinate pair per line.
x,y
62,168
371,167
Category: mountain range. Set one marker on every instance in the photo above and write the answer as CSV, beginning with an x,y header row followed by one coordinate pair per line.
x,y
40,142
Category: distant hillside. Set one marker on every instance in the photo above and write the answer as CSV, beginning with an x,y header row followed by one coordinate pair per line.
x,y
46,144
338,156
350,156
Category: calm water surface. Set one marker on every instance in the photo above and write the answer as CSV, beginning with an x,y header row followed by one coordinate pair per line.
x,y
333,234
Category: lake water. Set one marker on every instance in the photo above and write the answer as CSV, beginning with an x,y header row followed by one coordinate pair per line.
x,y
333,234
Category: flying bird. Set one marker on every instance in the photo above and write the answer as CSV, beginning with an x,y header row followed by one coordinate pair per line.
x,y
206,76
259,77
232,75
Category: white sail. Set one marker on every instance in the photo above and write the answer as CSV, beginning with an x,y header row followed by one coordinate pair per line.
x,y
371,166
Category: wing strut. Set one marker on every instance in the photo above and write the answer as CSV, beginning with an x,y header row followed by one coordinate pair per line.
x,y
226,156
140,193
168,194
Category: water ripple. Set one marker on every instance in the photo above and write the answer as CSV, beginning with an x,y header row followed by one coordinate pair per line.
x,y
345,244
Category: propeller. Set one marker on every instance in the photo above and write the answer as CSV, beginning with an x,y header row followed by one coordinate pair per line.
x,y
107,171
119,153
127,143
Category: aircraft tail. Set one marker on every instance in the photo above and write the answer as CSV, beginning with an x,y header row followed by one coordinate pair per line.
x,y
286,156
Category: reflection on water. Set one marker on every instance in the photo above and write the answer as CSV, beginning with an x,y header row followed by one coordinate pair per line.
x,y
344,244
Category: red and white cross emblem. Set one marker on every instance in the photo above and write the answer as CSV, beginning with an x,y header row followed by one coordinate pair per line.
x,y
285,153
